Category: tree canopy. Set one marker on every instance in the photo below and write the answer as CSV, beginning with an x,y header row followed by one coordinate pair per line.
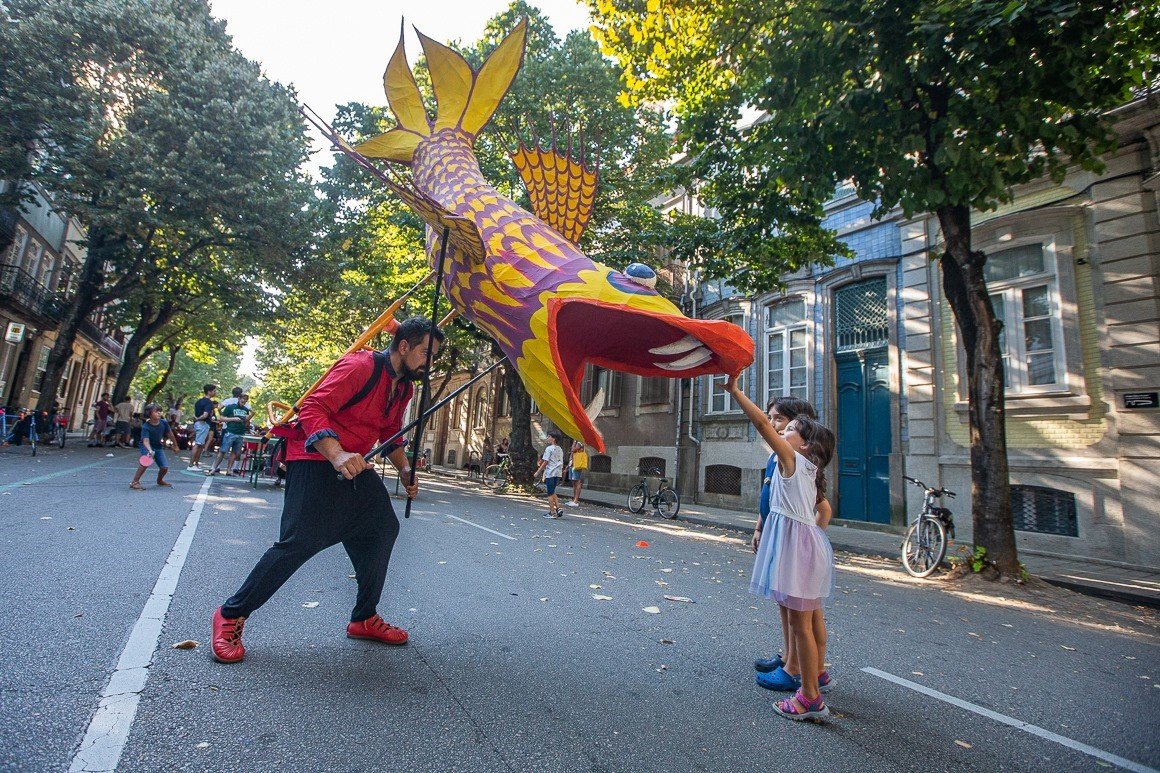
x,y
938,106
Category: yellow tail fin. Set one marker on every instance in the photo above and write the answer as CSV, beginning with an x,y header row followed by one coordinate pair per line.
x,y
466,98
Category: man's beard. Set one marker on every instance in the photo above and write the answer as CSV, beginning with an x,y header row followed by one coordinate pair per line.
x,y
412,375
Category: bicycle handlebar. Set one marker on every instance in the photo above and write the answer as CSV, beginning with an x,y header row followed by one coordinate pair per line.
x,y
936,491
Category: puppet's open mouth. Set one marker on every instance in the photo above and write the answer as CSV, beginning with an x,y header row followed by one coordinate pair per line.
x,y
641,342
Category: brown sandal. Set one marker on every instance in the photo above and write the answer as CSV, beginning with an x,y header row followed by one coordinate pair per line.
x,y
136,487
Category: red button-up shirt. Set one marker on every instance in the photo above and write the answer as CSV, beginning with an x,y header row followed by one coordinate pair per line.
x,y
358,428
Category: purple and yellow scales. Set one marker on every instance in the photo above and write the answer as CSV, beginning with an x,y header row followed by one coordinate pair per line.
x,y
518,275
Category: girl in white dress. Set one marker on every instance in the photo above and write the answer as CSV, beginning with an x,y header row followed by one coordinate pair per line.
x,y
795,563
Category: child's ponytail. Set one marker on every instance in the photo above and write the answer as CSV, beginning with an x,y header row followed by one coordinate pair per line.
x,y
820,443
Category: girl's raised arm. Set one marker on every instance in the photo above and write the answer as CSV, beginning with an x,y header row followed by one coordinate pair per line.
x,y
785,454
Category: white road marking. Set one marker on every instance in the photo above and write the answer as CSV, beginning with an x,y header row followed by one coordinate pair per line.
x,y
476,525
1026,727
29,481
109,728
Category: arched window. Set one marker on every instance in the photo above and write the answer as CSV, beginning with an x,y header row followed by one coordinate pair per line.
x,y
651,465
723,479
600,463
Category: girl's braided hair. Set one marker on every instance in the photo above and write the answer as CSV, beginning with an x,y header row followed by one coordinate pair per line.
x,y
820,444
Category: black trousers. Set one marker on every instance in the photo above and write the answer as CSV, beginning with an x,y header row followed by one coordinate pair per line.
x,y
319,511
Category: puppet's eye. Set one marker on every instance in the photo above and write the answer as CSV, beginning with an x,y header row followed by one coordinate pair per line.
x,y
641,274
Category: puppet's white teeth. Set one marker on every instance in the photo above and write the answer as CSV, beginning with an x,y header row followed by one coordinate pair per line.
x,y
594,407
691,360
677,347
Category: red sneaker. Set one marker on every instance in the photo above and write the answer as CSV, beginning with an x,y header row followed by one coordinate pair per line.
x,y
374,627
227,638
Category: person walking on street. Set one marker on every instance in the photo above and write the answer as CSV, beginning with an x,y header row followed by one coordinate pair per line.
x,y
153,434
202,416
576,471
362,400
102,409
552,467
122,415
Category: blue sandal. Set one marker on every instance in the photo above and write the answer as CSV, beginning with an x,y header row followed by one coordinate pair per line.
x,y
778,679
765,665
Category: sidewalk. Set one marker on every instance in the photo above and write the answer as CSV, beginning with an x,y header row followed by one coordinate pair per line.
x,y
1130,585
1105,580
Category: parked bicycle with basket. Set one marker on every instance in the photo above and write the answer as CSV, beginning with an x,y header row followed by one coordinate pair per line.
x,y
665,501
926,540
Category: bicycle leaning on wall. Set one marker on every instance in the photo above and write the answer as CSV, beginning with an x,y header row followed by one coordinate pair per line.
x,y
665,501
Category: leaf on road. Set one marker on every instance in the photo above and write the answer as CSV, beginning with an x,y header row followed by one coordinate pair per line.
x,y
667,641
545,598
641,544
662,669
46,518
609,576
188,644
918,673
203,744
652,610
599,597
963,744
682,599
1069,649
594,587
442,562
310,604
666,570
661,583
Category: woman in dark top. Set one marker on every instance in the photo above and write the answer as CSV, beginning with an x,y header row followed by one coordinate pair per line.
x,y
153,433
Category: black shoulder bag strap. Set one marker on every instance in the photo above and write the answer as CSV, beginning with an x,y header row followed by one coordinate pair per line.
x,y
376,376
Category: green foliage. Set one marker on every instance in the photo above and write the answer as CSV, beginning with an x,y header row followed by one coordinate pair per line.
x,y
924,104
177,155
196,364
978,560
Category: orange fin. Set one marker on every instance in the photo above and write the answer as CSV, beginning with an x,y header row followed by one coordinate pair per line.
x,y
560,184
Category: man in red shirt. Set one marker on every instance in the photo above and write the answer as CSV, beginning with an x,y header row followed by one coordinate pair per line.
x,y
361,401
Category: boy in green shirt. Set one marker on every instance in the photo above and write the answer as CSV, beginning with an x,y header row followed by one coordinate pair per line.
x,y
235,420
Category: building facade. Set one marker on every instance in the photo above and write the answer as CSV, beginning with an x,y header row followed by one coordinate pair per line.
x,y
37,274
1073,271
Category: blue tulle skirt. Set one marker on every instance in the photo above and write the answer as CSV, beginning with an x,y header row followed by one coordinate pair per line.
x,y
794,564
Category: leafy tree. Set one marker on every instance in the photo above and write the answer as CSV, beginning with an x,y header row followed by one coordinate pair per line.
x,y
166,143
176,373
936,106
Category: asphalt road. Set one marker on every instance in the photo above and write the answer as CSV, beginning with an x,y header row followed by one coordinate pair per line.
x,y
514,664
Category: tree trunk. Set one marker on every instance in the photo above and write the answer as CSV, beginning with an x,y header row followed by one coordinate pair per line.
x,y
92,277
523,453
161,382
151,320
966,291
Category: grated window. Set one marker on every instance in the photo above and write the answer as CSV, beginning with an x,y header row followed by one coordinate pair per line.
x,y
651,466
451,458
862,321
600,463
1044,510
723,479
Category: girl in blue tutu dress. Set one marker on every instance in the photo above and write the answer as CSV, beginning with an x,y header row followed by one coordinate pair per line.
x,y
795,563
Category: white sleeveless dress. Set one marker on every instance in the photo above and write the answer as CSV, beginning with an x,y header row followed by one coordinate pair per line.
x,y
795,562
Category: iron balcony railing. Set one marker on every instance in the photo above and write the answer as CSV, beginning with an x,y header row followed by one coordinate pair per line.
x,y
23,289
20,287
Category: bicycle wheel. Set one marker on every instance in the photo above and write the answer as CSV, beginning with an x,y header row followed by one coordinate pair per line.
x,y
668,503
61,436
32,438
925,547
637,497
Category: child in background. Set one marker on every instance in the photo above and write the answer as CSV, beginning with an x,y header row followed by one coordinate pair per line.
x,y
552,467
778,673
576,470
795,563
153,433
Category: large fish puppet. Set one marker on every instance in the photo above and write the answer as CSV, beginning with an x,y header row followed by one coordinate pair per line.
x,y
518,275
